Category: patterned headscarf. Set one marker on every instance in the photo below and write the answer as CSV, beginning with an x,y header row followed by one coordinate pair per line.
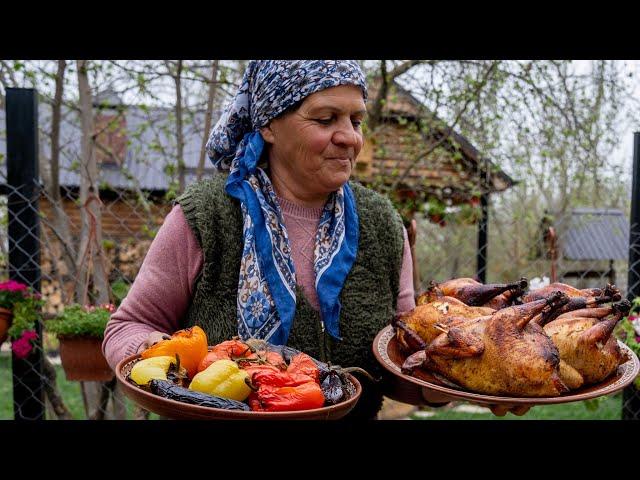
x,y
266,287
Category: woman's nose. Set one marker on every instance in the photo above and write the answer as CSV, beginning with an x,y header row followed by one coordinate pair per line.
x,y
346,135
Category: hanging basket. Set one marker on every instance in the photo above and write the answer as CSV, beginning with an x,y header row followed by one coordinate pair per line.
x,y
82,359
6,318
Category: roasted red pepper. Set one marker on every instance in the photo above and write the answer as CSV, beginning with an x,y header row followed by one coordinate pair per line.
x,y
228,350
271,398
278,379
297,388
265,357
303,363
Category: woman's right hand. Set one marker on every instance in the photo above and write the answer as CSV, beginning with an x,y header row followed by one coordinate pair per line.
x,y
152,339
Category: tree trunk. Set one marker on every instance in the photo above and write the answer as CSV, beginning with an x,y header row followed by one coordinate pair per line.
x,y
207,120
51,390
60,218
91,255
177,78
90,262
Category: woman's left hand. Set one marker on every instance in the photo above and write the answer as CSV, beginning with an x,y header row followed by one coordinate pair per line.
x,y
501,410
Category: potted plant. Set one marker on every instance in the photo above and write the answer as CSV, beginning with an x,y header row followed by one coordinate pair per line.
x,y
80,331
19,312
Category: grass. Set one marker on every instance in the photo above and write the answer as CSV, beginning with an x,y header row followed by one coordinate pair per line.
x,y
602,408
69,390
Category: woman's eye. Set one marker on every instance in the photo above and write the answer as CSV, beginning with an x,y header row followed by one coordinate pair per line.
x,y
324,121
356,123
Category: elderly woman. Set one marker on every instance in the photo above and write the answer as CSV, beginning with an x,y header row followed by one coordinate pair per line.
x,y
283,248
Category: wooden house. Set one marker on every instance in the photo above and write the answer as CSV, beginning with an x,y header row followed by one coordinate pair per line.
x,y
419,158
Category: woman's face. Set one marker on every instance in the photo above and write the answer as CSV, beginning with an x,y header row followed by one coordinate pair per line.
x,y
316,145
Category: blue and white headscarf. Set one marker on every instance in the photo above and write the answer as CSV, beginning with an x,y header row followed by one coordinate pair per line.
x,y
266,288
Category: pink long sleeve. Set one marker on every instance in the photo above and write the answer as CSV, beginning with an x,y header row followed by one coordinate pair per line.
x,y
161,293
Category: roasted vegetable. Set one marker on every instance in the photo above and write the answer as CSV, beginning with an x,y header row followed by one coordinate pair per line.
x,y
332,388
168,390
224,379
264,357
304,364
190,344
229,350
279,379
271,398
157,368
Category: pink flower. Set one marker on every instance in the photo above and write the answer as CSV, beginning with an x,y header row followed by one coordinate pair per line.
x,y
22,347
13,286
637,339
30,335
110,307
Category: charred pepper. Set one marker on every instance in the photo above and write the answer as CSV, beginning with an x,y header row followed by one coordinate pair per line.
x,y
155,368
222,378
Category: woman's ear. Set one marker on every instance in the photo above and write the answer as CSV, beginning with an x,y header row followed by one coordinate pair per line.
x,y
267,134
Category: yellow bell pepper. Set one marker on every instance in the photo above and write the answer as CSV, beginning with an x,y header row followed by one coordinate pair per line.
x,y
223,378
155,367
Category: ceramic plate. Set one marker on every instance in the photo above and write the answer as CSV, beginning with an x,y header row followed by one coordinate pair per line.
x,y
184,411
408,389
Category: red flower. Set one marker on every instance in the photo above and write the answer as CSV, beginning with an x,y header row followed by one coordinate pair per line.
x,y
22,347
13,286
30,335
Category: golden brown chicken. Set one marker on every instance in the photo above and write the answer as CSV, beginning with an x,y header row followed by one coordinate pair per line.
x,y
609,294
585,341
421,321
568,290
474,293
498,354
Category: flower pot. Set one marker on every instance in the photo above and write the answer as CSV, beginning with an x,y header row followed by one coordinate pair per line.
x,y
82,359
6,318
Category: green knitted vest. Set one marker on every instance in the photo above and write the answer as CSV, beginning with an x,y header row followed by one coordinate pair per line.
x,y
368,297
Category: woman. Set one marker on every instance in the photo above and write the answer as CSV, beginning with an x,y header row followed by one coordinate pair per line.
x,y
284,248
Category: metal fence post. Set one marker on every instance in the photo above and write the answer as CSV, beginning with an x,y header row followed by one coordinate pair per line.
x,y
24,237
631,395
483,226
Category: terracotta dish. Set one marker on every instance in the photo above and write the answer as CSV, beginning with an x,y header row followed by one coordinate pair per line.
x,y
408,389
183,411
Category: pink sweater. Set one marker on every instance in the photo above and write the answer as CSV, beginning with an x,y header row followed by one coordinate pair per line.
x,y
162,291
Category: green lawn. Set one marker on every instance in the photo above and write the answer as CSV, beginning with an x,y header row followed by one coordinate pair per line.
x,y
602,408
70,392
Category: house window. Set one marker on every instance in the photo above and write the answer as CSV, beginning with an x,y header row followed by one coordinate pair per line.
x,y
110,138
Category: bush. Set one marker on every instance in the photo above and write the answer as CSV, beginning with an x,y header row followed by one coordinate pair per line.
x,y
78,321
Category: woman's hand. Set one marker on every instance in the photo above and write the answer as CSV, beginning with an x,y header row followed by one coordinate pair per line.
x,y
434,398
501,410
437,399
152,339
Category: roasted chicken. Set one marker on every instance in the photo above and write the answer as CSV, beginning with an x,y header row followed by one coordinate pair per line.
x,y
585,341
609,294
422,321
474,293
568,290
498,354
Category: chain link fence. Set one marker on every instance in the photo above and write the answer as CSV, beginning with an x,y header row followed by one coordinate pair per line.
x,y
51,255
